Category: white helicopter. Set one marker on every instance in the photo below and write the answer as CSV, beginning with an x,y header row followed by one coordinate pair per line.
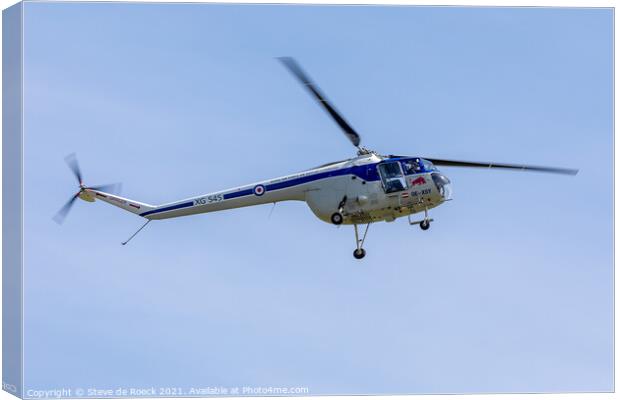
x,y
358,191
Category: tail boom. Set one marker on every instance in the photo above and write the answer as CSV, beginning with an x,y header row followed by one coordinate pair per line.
x,y
247,196
133,206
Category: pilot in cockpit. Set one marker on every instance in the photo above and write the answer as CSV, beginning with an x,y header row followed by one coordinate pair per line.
x,y
411,167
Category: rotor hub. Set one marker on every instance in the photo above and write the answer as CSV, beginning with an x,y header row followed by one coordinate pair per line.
x,y
363,151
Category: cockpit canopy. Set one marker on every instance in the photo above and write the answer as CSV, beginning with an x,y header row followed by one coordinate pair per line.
x,y
393,174
428,166
415,165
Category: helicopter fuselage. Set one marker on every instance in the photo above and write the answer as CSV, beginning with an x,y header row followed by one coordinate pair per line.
x,y
368,188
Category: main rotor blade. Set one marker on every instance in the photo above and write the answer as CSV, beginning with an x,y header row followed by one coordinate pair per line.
x,y
296,70
72,162
113,188
62,213
519,167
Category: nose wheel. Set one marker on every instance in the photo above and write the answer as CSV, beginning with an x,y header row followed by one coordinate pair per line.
x,y
359,252
425,223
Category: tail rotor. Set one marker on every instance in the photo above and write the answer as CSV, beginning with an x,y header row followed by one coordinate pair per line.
x,y
60,216
85,192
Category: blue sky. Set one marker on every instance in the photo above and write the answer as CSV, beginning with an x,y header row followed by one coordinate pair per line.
x,y
510,290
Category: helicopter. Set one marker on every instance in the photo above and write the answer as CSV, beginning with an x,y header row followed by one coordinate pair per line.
x,y
358,191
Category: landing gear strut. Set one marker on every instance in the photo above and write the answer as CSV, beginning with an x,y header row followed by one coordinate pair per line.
x,y
359,252
336,217
425,223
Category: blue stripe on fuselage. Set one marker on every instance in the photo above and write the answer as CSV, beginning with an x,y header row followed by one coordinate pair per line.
x,y
238,194
361,172
364,172
169,208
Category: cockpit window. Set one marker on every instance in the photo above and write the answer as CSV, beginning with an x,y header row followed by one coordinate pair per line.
x,y
392,177
390,170
412,166
428,166
443,185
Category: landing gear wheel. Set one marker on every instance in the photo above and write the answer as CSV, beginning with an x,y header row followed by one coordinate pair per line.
x,y
336,218
425,225
359,253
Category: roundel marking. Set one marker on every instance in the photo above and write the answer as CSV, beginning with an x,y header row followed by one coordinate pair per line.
x,y
259,190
